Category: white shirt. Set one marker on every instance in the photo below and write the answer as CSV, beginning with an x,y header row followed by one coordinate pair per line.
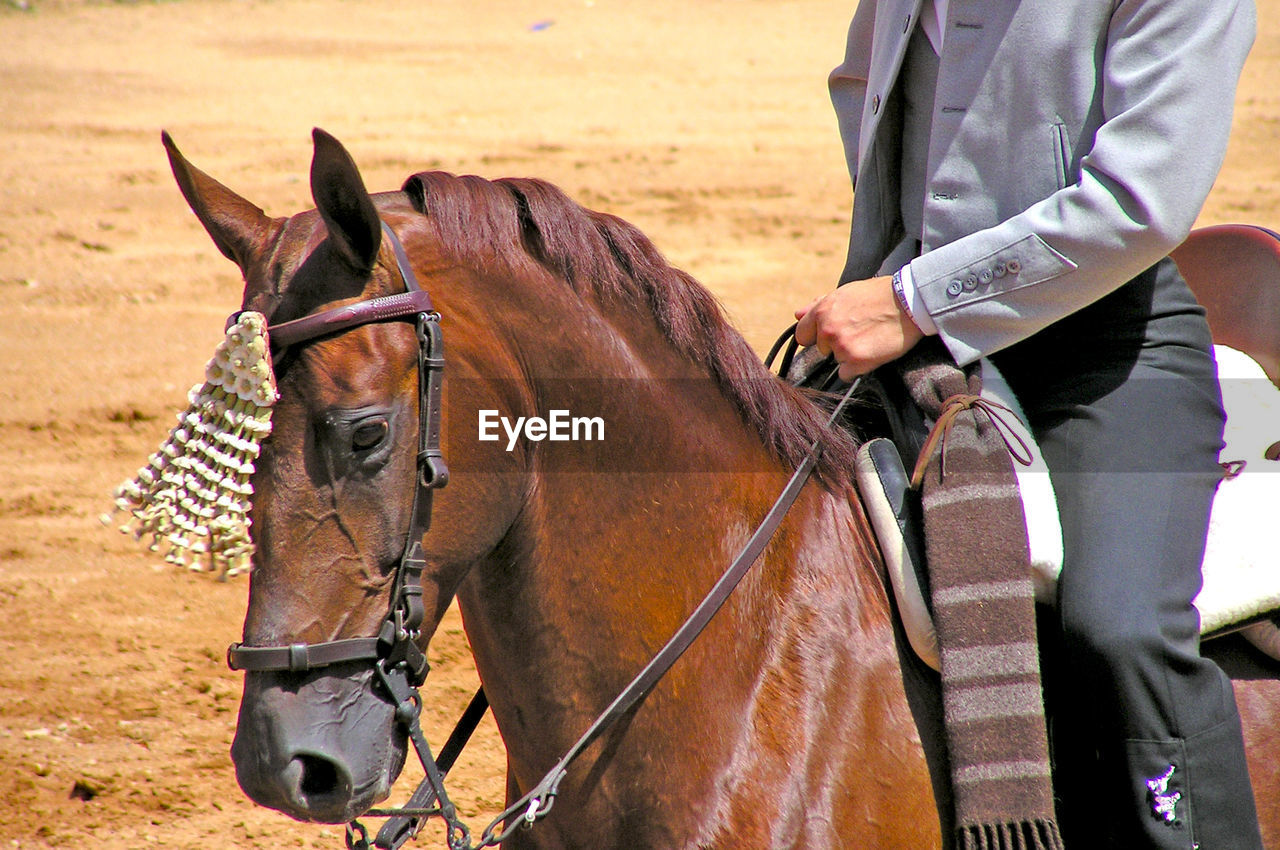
x,y
933,17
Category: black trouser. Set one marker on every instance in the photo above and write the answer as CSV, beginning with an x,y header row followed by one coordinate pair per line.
x,y
1146,739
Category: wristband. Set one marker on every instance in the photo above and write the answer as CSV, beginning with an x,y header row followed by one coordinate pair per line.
x,y
900,295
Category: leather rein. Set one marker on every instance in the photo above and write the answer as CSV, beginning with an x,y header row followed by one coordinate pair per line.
x,y
399,663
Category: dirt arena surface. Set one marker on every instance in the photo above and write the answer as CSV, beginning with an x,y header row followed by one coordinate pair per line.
x,y
706,123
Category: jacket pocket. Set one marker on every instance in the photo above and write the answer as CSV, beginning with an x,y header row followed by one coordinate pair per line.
x,y
1061,152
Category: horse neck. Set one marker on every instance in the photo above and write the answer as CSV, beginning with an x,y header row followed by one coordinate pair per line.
x,y
619,540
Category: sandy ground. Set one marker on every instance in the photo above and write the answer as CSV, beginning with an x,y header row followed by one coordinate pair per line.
x,y
706,123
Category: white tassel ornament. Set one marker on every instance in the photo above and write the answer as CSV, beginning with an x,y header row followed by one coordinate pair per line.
x,y
194,493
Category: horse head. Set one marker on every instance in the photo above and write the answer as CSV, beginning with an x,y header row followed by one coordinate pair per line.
x,y
334,487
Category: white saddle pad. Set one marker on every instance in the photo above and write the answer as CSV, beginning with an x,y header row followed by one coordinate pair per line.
x,y
1242,560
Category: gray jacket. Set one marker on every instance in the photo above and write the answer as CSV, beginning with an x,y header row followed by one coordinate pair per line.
x,y
1074,143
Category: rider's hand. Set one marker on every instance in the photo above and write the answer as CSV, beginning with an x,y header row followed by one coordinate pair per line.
x,y
860,323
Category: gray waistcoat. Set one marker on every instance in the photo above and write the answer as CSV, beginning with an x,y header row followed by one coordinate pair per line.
x,y
917,85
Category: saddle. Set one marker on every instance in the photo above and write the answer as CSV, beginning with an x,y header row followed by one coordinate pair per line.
x,y
1241,570
894,506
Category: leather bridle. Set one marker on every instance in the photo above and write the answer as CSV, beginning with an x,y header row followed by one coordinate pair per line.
x,y
399,663
395,644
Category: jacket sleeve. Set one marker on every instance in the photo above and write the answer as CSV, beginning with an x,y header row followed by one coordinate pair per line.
x,y
1168,77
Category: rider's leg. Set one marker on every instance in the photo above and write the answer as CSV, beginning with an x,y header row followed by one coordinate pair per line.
x,y
1146,736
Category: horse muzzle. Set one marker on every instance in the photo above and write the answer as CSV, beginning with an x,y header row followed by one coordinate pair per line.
x,y
321,746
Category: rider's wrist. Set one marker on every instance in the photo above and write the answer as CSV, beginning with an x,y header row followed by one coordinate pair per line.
x,y
910,302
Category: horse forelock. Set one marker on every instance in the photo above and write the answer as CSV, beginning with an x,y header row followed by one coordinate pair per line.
x,y
299,270
504,224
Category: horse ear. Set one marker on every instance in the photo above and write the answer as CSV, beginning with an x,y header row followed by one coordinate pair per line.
x,y
237,226
344,203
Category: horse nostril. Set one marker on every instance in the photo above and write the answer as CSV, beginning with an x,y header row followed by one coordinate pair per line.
x,y
321,782
319,776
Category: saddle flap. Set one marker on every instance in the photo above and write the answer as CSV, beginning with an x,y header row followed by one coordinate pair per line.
x,y
894,510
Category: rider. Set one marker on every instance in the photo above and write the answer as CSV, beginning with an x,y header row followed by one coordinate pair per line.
x,y
1022,170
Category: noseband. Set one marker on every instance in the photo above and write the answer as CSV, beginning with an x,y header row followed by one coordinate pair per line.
x,y
400,664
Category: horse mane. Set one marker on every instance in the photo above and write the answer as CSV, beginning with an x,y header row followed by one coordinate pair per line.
x,y
502,224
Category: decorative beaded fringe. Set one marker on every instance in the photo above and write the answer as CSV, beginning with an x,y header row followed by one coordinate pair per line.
x,y
193,496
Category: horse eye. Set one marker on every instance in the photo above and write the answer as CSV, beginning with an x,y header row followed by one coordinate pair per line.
x,y
369,435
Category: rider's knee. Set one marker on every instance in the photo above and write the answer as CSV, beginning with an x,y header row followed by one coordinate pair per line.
x,y
1114,646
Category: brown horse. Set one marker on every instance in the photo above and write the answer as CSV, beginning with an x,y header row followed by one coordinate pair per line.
x,y
796,720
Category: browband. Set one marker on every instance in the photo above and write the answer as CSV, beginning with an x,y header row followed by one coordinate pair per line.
x,y
338,319
415,300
